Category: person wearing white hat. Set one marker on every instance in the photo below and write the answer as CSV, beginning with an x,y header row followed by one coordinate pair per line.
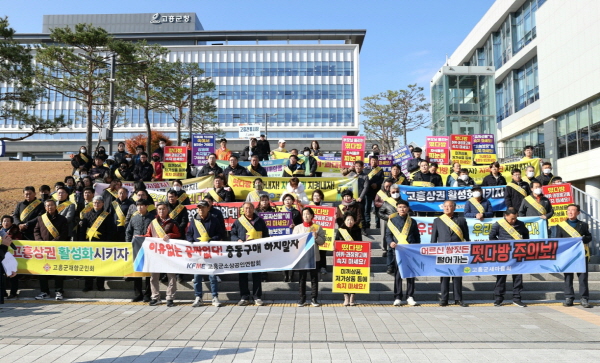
x,y
281,147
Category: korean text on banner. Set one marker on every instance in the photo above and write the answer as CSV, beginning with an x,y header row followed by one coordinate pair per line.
x,y
202,146
461,149
175,162
438,149
401,157
278,223
386,162
480,172
353,149
325,217
352,267
249,131
555,255
291,252
484,149
111,259
480,230
560,195
431,199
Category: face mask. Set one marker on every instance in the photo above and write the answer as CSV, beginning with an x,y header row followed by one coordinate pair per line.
x,y
476,194
530,174
82,151
259,187
176,188
161,145
128,159
83,175
537,191
45,196
184,144
547,171
306,153
395,195
156,158
464,177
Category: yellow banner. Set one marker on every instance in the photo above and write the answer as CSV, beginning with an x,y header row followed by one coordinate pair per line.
x,y
174,170
484,158
110,259
331,187
351,280
323,166
461,156
560,214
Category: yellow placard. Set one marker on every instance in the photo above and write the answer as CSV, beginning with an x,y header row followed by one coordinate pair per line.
x,y
484,158
560,214
461,156
173,170
110,259
351,280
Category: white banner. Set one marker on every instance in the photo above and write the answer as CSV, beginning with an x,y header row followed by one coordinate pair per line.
x,y
291,252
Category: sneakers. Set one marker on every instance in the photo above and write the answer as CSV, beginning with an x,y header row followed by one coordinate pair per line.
x,y
461,303
197,302
59,296
170,303
411,301
584,303
155,302
42,296
568,301
301,303
323,271
314,302
243,303
216,302
258,302
519,303
397,302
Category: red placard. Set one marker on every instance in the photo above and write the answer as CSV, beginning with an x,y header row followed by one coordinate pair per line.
x,y
353,149
352,254
461,149
559,193
438,149
175,154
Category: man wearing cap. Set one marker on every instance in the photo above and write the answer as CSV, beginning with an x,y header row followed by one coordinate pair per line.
x,y
138,226
234,168
223,153
281,148
263,148
204,228
413,164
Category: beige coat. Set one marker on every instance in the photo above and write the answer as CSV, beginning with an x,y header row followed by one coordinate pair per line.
x,y
320,240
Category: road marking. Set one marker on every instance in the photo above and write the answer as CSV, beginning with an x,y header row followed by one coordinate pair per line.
x,y
579,313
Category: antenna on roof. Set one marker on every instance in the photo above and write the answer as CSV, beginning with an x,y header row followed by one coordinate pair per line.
x,y
447,59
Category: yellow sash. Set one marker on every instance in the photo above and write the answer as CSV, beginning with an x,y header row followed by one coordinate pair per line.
x,y
477,205
535,204
27,211
373,172
85,158
251,233
120,215
510,229
255,173
175,212
454,176
151,207
61,207
526,179
417,183
453,226
49,226
345,235
573,233
55,197
118,174
518,189
204,237
92,232
402,237
114,194
158,228
215,196
72,198
86,209
254,196
400,180
182,197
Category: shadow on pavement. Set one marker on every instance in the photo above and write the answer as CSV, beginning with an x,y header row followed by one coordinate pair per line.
x,y
188,354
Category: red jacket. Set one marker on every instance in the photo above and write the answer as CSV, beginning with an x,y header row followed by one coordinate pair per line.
x,y
168,225
158,171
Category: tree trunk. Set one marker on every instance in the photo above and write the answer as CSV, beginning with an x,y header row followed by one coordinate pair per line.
x,y
404,132
88,132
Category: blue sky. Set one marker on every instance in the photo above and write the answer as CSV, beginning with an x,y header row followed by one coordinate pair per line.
x,y
407,40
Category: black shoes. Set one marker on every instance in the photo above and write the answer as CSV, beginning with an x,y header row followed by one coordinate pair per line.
x,y
138,298
443,303
102,288
498,303
584,303
170,303
519,303
314,302
146,298
460,303
390,271
301,303
568,302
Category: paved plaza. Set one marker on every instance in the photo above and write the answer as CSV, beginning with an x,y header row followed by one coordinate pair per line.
x,y
116,331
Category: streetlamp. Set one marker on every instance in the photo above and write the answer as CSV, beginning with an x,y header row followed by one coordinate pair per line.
x,y
266,116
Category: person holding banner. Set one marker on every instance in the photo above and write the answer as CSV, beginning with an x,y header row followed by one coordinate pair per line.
x,y
450,228
223,153
516,191
27,211
536,204
204,228
495,178
221,193
249,226
137,227
280,147
288,206
387,210
402,230
234,168
119,207
257,193
255,169
319,235
51,226
507,229
293,168
182,197
423,178
349,230
573,227
477,206
211,167
528,151
163,227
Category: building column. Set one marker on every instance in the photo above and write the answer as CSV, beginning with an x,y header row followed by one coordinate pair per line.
x,y
20,155
592,187
550,143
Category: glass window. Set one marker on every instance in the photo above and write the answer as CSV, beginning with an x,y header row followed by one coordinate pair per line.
x,y
584,128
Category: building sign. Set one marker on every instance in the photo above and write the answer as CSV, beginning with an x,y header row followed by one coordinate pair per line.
x,y
159,19
249,131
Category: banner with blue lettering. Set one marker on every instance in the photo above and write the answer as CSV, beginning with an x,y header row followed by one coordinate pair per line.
x,y
480,230
431,199
558,255
401,157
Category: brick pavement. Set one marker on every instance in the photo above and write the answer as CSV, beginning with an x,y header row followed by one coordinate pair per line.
x,y
114,331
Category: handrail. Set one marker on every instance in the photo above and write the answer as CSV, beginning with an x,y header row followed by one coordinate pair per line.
x,y
590,208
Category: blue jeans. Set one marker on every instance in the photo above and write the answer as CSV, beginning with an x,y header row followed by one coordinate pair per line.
x,y
198,285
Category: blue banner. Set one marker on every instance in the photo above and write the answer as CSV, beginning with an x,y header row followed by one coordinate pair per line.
x,y
202,146
401,157
558,255
480,230
431,199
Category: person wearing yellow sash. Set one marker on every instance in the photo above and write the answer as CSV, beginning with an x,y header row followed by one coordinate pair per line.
x,y
163,227
452,180
546,176
97,225
380,200
402,230
288,206
211,167
573,227
258,192
375,182
139,194
516,190
221,193
51,226
123,172
204,228
27,211
119,208
67,209
255,169
423,178
247,227
11,232
293,168
477,206
348,205
397,176
536,204
234,168
82,159
182,197
450,228
308,226
177,211
280,147
137,226
388,209
349,230
509,228
530,175
111,193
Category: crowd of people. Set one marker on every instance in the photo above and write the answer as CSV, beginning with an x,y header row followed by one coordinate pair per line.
x,y
73,211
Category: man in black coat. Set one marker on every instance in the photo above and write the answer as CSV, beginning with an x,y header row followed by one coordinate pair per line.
x,y
450,228
507,229
516,191
234,168
138,226
211,167
536,205
144,170
177,211
413,164
27,211
373,185
263,148
255,169
573,227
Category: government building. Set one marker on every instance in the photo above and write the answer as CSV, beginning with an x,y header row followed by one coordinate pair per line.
x,y
299,85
